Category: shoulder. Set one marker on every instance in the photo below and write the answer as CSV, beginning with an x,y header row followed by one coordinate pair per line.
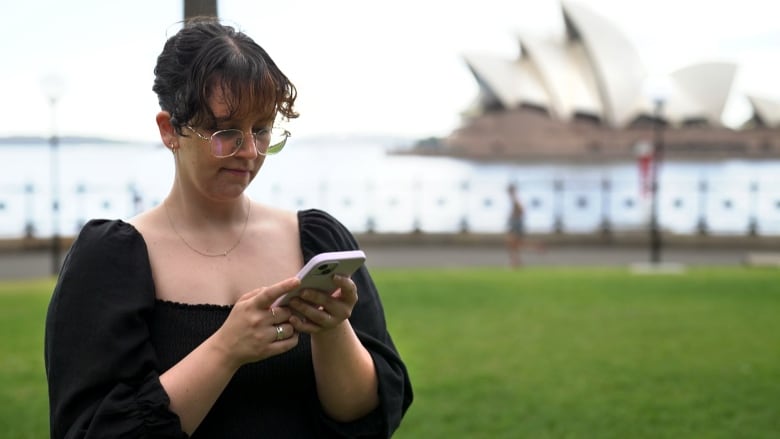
x,y
320,231
319,221
105,252
285,218
102,242
104,232
317,218
273,218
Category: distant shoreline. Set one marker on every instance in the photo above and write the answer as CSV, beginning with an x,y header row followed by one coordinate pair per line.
x,y
38,140
389,141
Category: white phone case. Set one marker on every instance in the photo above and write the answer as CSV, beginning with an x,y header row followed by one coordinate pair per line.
x,y
318,273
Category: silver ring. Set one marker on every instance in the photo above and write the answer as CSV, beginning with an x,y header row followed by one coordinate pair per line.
x,y
279,332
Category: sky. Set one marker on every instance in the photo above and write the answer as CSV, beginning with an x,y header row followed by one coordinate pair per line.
x,y
360,67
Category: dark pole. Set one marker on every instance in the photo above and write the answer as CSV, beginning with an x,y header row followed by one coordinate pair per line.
x,y
658,148
195,8
606,223
55,192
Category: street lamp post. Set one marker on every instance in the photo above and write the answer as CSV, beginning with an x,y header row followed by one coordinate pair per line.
x,y
54,86
658,149
55,202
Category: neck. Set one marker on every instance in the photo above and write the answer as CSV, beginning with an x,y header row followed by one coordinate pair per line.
x,y
198,212
208,238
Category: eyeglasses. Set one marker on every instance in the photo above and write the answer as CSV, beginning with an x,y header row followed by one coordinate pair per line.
x,y
226,143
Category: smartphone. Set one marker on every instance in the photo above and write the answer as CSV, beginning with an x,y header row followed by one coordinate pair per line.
x,y
318,273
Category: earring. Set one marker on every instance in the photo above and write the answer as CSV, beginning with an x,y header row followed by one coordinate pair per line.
x,y
173,148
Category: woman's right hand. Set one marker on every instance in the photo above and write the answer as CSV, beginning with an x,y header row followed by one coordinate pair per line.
x,y
254,330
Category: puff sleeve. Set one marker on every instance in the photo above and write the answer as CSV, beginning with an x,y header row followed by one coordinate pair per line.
x,y
100,365
321,232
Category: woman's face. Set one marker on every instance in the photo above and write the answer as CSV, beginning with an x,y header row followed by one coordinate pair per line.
x,y
221,178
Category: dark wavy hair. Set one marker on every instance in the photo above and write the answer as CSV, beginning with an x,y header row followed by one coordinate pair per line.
x,y
206,55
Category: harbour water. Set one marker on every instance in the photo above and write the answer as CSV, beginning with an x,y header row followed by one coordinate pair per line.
x,y
367,188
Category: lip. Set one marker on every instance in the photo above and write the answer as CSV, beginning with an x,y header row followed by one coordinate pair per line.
x,y
237,171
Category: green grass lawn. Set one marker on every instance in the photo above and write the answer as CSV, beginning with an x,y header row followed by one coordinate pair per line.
x,y
588,353
23,398
541,352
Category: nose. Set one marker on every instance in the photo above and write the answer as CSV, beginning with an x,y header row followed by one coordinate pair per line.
x,y
248,147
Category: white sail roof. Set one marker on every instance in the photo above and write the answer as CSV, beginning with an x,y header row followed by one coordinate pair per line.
x,y
513,82
617,68
594,70
565,75
768,110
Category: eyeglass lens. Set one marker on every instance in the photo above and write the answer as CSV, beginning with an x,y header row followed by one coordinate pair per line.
x,y
227,142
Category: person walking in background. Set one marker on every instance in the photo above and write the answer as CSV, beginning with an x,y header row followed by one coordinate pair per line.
x,y
516,233
165,325
516,227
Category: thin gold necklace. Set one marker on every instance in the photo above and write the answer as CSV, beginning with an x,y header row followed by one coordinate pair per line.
x,y
210,255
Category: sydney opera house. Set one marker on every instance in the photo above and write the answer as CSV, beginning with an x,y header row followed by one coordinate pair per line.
x,y
585,95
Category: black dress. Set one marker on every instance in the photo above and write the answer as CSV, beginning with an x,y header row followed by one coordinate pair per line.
x,y
108,339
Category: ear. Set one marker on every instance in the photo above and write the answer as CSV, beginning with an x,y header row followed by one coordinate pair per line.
x,y
167,132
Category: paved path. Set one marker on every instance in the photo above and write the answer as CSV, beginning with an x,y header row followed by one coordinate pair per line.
x,y
496,256
30,264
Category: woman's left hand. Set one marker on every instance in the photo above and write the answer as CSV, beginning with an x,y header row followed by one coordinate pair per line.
x,y
318,311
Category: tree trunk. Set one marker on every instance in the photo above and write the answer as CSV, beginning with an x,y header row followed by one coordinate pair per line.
x,y
194,8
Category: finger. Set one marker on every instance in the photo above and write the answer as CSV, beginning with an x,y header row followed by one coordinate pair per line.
x,y
301,324
267,296
282,346
321,307
347,287
283,331
249,295
317,314
280,314
344,281
315,297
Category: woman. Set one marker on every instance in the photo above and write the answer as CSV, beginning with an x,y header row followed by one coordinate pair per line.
x,y
163,326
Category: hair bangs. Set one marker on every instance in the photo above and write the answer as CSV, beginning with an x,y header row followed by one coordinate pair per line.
x,y
235,67
249,88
